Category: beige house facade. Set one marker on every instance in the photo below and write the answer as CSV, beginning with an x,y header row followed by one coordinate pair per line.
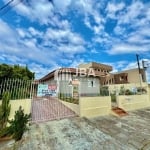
x,y
125,77
122,77
91,77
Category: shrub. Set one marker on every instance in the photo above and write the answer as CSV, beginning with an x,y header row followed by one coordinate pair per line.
x,y
122,90
19,125
4,110
141,90
128,92
113,97
104,91
5,132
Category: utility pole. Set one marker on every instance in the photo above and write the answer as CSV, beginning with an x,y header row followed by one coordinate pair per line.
x,y
137,57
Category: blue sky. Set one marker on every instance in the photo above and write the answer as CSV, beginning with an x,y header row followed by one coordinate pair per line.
x,y
46,36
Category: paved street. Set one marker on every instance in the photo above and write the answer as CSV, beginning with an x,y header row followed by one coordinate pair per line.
x,y
130,132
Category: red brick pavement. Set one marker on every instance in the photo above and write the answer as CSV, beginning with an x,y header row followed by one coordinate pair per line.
x,y
44,109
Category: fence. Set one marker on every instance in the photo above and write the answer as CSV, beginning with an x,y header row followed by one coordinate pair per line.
x,y
129,89
85,88
125,90
18,89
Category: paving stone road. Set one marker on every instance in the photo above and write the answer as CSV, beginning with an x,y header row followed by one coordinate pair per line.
x,y
130,132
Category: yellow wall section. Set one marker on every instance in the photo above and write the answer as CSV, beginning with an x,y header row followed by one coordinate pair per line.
x,y
133,102
95,106
25,103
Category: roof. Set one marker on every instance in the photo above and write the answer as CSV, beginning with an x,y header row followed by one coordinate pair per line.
x,y
61,70
48,76
72,71
96,65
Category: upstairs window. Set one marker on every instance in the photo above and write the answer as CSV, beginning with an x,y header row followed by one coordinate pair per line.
x,y
91,83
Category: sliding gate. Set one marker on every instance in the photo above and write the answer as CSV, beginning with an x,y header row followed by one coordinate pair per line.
x,y
46,106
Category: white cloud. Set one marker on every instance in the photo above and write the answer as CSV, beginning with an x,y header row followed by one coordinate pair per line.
x,y
35,32
76,62
59,39
132,12
41,70
131,34
24,44
138,39
39,10
21,33
126,48
2,58
62,6
92,18
6,31
42,11
131,65
118,30
12,44
118,65
102,38
63,36
113,8
94,51
133,42
71,49
12,59
64,41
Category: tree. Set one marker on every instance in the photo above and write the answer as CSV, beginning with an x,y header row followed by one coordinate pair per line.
x,y
6,71
18,125
16,71
4,110
15,77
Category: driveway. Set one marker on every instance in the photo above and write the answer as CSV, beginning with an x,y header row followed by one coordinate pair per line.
x,y
45,109
130,132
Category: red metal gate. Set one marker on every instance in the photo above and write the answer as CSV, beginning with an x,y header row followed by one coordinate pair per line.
x,y
49,108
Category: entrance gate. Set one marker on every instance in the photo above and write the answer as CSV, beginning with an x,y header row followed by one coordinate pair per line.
x,y
48,106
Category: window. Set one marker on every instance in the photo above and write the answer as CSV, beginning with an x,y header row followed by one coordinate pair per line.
x,y
121,78
91,83
112,80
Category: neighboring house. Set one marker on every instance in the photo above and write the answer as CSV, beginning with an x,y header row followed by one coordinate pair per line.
x,y
126,76
90,77
122,77
98,67
64,79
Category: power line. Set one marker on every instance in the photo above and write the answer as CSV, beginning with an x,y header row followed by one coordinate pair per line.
x,y
4,9
6,5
